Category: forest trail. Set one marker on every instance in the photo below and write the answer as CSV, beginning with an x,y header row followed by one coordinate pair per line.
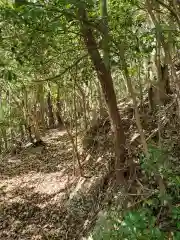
x,y
40,196
108,72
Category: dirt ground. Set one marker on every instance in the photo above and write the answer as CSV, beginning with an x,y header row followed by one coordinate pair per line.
x,y
41,198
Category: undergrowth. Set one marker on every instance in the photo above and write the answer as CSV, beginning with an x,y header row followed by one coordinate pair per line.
x,y
155,217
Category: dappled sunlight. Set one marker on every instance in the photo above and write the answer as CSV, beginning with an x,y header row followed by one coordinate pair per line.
x,y
89,119
40,193
32,160
53,183
48,183
54,134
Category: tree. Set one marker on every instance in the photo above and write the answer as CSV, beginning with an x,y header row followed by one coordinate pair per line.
x,y
106,82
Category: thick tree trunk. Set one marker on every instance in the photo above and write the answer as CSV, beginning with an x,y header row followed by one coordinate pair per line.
x,y
106,82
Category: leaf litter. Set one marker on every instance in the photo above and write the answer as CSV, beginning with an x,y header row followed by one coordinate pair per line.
x,y
41,198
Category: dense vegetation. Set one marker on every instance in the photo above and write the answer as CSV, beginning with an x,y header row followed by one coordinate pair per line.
x,y
108,73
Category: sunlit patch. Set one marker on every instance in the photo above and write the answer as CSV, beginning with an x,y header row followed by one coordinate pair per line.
x,y
48,183
53,183
39,191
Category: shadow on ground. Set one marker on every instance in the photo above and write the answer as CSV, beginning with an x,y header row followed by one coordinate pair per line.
x,y
56,156
40,198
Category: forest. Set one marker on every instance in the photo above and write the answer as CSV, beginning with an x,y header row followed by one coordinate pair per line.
x,y
90,119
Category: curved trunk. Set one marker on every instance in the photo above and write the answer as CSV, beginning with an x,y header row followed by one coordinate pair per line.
x,y
105,79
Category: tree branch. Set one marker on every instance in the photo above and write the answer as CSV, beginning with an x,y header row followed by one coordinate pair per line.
x,y
171,10
54,79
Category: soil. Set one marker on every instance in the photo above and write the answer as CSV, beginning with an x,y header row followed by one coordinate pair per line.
x,y
43,196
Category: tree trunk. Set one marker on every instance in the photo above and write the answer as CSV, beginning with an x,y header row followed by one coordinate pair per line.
x,y
1,145
58,108
105,37
83,106
133,96
29,133
41,110
162,71
165,77
35,122
50,111
106,82
4,136
13,135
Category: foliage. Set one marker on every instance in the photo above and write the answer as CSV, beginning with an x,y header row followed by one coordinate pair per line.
x,y
150,220
136,225
48,78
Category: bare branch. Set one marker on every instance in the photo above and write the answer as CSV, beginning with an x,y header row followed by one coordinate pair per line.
x,y
54,79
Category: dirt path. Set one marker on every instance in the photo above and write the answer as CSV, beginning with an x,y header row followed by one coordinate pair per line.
x,y
40,198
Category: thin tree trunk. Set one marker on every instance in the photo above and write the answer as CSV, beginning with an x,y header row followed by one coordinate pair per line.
x,y
84,105
36,129
1,145
105,47
40,99
29,133
13,135
106,82
131,91
162,83
105,37
50,111
4,136
58,108
140,85
22,131
100,100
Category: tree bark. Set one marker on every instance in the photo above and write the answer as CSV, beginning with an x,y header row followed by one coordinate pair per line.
x,y
50,111
29,133
58,108
105,37
4,136
40,100
105,79
162,71
35,122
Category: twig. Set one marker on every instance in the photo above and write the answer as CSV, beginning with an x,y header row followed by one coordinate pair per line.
x,y
142,200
